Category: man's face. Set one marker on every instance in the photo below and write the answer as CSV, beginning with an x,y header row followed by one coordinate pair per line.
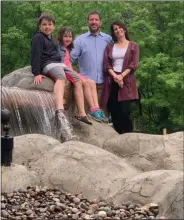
x,y
94,23
47,27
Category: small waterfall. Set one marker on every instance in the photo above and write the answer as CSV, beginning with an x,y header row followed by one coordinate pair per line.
x,y
32,111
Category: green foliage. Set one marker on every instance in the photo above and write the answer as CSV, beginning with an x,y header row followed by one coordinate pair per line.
x,y
157,27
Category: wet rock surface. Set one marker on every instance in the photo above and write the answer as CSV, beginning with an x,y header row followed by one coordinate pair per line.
x,y
44,203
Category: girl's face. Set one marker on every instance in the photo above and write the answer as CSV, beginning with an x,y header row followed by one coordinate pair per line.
x,y
67,38
118,31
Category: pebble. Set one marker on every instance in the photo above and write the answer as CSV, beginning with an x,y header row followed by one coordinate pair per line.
x,y
46,204
76,200
102,214
4,214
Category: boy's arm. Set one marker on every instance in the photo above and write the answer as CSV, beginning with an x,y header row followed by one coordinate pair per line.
x,y
36,52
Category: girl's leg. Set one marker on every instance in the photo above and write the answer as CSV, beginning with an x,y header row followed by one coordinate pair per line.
x,y
94,92
95,100
79,95
87,92
79,98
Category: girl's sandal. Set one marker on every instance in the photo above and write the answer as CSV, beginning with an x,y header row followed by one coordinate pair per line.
x,y
83,119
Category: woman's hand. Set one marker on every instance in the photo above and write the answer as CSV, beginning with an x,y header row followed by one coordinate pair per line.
x,y
118,78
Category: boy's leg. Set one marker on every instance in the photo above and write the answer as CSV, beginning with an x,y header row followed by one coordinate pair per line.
x,y
57,73
64,130
59,93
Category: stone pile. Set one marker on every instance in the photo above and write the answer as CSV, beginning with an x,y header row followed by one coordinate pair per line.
x,y
43,203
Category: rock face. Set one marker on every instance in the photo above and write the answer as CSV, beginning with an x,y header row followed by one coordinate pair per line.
x,y
96,134
77,167
23,78
29,148
16,177
148,152
164,187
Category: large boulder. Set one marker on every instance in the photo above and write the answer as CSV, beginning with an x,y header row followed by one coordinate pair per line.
x,y
23,78
97,134
148,152
29,148
78,167
164,187
17,177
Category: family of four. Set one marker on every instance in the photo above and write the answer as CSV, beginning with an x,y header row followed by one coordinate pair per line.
x,y
106,65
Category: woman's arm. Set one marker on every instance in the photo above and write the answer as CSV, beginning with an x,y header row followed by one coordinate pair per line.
x,y
132,65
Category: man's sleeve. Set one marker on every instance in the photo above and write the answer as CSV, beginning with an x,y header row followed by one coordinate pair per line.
x,y
36,52
76,51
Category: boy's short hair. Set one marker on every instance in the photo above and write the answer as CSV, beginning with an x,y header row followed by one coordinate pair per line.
x,y
47,17
94,13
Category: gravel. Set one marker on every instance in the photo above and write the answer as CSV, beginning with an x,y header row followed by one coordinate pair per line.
x,y
44,203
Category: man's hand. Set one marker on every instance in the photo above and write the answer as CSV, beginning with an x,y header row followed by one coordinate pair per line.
x,y
38,79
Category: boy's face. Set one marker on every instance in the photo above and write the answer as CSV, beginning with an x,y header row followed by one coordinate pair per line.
x,y
47,27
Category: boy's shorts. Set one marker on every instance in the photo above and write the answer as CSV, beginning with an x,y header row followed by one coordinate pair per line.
x,y
57,71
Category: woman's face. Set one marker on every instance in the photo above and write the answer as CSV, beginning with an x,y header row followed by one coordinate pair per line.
x,y
118,31
67,38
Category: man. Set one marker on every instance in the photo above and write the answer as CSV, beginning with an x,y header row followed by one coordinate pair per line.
x,y
89,51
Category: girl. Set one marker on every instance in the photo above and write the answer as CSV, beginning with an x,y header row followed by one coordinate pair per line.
x,y
65,39
121,59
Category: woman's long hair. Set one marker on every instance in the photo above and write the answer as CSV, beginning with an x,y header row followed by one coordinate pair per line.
x,y
122,25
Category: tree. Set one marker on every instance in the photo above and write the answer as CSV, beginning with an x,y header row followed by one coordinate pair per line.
x,y
157,27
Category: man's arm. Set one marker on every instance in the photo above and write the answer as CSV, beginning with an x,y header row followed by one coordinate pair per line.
x,y
76,51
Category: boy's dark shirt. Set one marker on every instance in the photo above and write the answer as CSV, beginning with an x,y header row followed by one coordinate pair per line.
x,y
44,50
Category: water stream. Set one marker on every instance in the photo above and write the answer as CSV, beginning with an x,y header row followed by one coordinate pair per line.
x,y
33,111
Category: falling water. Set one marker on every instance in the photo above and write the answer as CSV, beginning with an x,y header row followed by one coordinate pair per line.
x,y
33,112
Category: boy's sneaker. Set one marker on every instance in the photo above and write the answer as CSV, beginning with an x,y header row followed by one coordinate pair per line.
x,y
105,119
64,131
96,115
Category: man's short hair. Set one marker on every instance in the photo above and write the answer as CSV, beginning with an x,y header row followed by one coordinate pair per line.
x,y
94,13
47,17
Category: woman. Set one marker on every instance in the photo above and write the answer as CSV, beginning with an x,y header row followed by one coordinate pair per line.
x,y
120,62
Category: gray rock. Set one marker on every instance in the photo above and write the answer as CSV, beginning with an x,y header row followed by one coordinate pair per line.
x,y
17,176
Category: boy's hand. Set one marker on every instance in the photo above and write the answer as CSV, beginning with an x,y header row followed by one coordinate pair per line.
x,y
38,79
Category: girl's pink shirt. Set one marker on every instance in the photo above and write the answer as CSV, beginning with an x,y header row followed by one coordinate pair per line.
x,y
67,60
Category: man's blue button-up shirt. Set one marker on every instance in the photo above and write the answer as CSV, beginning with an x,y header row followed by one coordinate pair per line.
x,y
89,51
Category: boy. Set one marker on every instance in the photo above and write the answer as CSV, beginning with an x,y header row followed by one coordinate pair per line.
x,y
46,61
